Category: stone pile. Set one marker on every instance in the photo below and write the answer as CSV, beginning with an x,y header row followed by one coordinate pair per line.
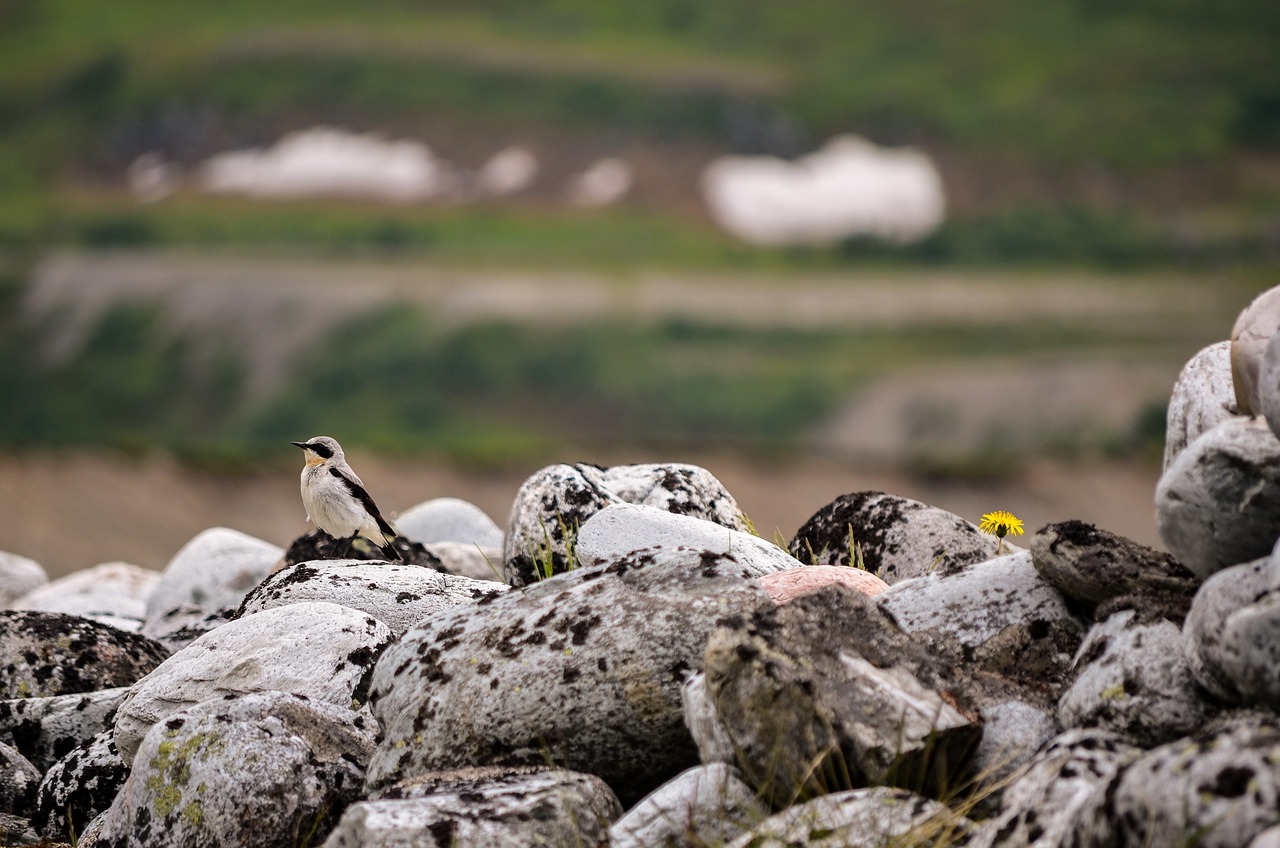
x,y
639,669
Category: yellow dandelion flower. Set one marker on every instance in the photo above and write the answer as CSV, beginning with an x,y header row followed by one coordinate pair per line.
x,y
1001,524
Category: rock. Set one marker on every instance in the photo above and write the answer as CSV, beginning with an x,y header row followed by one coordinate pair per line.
x,y
19,780
820,695
1269,838
1256,325
398,595
1013,624
583,670
1232,633
320,650
466,560
713,741
704,805
1012,732
267,769
498,807
621,529
78,787
15,830
449,520
1222,786
1218,504
676,488
1092,565
18,576
784,586
1269,386
180,626
106,593
216,569
46,729
51,653
1060,799
1132,677
319,545
894,538
859,818
1202,398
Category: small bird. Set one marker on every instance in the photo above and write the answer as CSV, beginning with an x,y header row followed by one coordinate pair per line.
x,y
336,499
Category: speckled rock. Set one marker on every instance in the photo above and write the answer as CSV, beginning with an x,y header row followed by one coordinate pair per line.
x,y
51,653
495,807
822,694
897,538
106,593
16,830
18,576
180,626
1218,504
79,787
467,560
1232,633
398,595
320,650
47,729
1132,677
784,586
1221,788
704,805
1269,386
1092,565
19,781
1060,799
583,670
1012,732
1013,622
269,769
216,569
859,818
620,529
712,739
449,520
318,545
1256,325
676,488
1203,397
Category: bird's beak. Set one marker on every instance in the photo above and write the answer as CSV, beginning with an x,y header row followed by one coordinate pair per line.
x,y
302,445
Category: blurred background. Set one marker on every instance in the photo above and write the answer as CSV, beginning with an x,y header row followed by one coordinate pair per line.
x,y
952,249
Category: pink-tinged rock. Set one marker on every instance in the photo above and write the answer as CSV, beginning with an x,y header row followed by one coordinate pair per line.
x,y
784,586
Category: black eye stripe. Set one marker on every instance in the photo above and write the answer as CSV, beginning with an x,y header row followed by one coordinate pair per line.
x,y
322,450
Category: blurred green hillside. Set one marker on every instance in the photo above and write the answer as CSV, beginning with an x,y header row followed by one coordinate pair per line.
x,y
1066,130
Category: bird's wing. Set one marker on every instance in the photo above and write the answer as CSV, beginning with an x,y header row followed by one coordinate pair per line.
x,y
359,493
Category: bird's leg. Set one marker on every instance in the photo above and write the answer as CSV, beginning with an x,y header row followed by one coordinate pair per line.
x,y
344,549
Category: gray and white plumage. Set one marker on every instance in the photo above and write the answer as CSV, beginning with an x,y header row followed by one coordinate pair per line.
x,y
336,499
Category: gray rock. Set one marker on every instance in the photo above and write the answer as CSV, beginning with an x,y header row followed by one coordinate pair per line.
x,y
822,694
467,560
676,488
216,569
705,805
897,538
621,529
1218,504
180,626
449,520
16,830
1060,799
50,653
1012,732
1132,677
80,786
859,818
18,576
1269,386
93,832
713,741
1202,398
268,769
47,729
583,670
398,595
1092,565
1013,624
484,808
105,593
19,781
1256,325
320,650
1233,633
1269,838
1218,790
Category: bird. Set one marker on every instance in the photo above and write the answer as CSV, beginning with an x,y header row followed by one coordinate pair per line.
x,y
336,499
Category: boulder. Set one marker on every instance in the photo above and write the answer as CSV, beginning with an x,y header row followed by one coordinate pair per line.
x,y
704,805
620,529
1202,398
467,560
1092,565
1232,633
78,787
1269,386
583,670
1012,732
216,569
320,650
784,586
18,576
19,781
676,488
859,818
1218,504
268,769
892,537
449,520
703,724
180,626
396,594
108,593
51,653
318,545
1256,325
47,729
495,807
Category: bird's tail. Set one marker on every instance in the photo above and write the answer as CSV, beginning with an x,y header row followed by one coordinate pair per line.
x,y
388,548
